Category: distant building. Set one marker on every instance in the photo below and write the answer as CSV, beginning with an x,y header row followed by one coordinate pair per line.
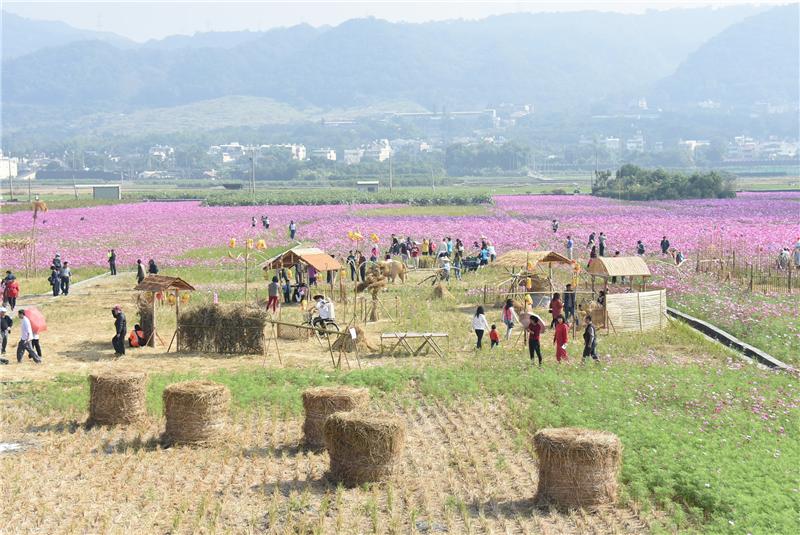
x,y
691,145
161,153
8,167
612,144
352,156
379,150
368,185
635,144
323,154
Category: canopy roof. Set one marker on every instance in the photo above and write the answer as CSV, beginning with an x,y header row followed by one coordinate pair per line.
x,y
311,256
520,258
160,283
619,266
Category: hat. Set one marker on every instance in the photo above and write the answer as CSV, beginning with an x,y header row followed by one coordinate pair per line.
x,y
318,296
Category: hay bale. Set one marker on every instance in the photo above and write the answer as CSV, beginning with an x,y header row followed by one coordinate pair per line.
x,y
577,467
321,402
346,343
440,291
117,397
219,328
196,412
363,448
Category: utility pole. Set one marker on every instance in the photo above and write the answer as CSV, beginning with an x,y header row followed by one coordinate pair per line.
x,y
391,176
253,176
74,186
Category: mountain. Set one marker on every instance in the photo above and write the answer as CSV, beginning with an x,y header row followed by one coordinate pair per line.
x,y
558,61
755,60
22,36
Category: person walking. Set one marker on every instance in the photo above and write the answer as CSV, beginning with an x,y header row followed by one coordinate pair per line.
x,y
5,329
56,262
139,271
26,339
152,268
266,222
55,281
351,263
494,337
664,245
554,226
556,307
287,291
37,346
479,325
569,304
570,247
11,291
112,261
602,244
560,338
509,317
121,330
589,340
292,229
640,248
273,291
535,326
66,275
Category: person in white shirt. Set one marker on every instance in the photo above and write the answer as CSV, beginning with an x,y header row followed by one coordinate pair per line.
x,y
26,339
479,325
325,311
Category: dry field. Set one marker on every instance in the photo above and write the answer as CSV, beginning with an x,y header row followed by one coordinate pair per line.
x,y
460,473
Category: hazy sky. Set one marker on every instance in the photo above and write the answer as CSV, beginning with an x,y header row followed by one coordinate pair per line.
x,y
142,20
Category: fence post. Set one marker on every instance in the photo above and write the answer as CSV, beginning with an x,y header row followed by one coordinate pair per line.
x,y
751,277
484,293
733,262
789,284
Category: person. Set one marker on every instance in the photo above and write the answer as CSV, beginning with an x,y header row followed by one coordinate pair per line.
x,y
614,278
446,269
449,247
26,339
664,245
569,304
136,338
351,263
479,325
554,225
601,298
639,248
324,311
492,253
415,255
589,340
560,338
458,263
37,346
120,330
403,249
362,266
679,258
11,291
112,261
425,248
57,261
783,259
374,253
55,281
484,257
273,290
431,247
287,291
312,276
535,326
796,254
509,317
292,229
494,337
266,222
152,268
590,243
592,255
602,243
66,275
253,221
556,307
5,328
570,247
139,271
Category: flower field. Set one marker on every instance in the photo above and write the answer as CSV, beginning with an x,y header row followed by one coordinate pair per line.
x,y
166,231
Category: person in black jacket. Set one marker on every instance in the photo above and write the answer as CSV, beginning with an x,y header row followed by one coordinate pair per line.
x,y
569,305
139,271
152,268
121,329
589,340
5,328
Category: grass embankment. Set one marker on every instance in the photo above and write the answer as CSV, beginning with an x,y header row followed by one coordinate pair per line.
x,y
39,285
713,445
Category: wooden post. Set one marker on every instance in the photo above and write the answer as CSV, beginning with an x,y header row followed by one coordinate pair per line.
x,y
246,258
789,283
639,306
177,323
751,277
661,310
152,341
485,290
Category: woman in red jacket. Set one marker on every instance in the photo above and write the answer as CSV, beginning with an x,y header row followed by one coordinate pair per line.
x,y
560,338
556,307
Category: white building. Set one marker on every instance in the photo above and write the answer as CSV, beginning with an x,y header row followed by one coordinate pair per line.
x,y
379,150
612,143
8,167
161,153
324,154
635,144
352,156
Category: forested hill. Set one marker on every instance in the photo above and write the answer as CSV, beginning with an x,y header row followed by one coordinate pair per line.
x,y
559,61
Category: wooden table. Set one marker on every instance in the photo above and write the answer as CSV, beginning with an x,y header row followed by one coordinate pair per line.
x,y
405,340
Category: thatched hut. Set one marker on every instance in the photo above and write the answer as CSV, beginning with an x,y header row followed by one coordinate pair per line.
x,y
152,286
304,258
531,273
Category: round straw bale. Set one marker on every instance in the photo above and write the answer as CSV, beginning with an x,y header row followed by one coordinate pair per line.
x,y
117,397
440,291
196,411
577,467
346,343
321,402
363,448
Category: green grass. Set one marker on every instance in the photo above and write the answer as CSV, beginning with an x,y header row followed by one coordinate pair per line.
x,y
54,201
473,210
39,285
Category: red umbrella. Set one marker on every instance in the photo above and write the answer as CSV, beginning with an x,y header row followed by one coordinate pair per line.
x,y
38,323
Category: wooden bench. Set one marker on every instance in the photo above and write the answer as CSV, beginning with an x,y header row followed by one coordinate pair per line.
x,y
405,339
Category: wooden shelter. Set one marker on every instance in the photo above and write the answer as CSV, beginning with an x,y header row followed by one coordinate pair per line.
x,y
520,259
156,284
631,310
307,256
523,266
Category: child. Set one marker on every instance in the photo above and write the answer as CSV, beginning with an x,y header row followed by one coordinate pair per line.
x,y
589,340
494,336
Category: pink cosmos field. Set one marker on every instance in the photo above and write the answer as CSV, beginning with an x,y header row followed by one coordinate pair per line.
x,y
754,222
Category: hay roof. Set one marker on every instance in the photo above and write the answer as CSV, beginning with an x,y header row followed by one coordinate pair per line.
x,y
519,258
619,266
310,256
160,283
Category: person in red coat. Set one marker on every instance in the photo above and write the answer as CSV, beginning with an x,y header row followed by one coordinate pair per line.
x,y
556,307
560,338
